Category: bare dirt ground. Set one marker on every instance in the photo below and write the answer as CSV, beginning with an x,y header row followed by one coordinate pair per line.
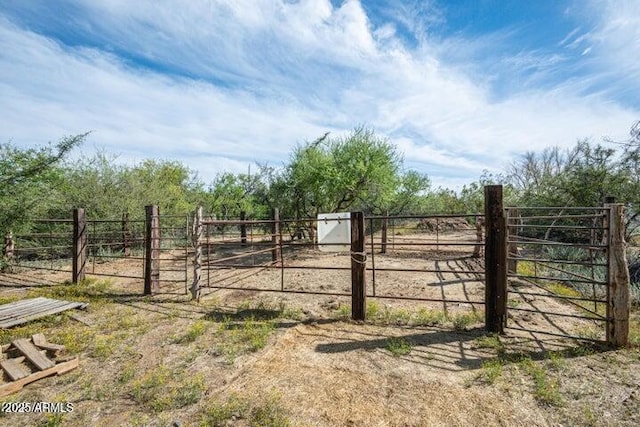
x,y
264,358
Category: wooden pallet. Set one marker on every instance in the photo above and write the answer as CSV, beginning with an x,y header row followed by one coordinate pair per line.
x,y
27,360
25,310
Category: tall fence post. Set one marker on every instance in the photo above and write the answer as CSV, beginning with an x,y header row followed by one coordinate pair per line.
x,y
275,233
8,252
126,235
79,247
197,259
385,227
495,260
618,293
152,250
243,228
358,264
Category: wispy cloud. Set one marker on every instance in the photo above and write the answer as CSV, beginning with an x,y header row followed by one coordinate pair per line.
x,y
220,84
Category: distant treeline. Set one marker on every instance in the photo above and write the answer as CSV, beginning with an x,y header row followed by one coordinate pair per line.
x,y
360,171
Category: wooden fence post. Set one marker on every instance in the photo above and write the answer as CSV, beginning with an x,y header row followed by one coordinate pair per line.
x,y
243,228
8,252
79,247
495,260
512,234
358,265
618,295
275,233
126,234
152,250
385,226
197,260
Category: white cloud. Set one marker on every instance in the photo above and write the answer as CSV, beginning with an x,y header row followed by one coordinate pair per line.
x,y
249,80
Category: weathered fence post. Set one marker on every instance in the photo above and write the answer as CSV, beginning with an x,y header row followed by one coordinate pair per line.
x,y
79,247
618,294
512,234
243,228
8,252
385,226
126,235
197,260
152,250
495,260
358,264
275,233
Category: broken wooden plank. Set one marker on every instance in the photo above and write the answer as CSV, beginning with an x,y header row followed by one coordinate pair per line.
x,y
41,341
59,369
33,354
81,319
14,369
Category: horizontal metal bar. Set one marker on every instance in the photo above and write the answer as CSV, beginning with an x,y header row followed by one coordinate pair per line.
x,y
557,261
94,255
391,242
574,337
57,235
556,296
417,270
451,301
104,244
551,313
115,221
172,280
549,243
117,257
210,261
42,248
559,208
177,270
291,267
567,227
474,215
554,279
31,267
239,222
122,276
65,221
556,217
238,244
237,288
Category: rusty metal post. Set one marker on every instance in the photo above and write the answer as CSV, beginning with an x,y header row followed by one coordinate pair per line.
x,y
385,226
275,234
243,228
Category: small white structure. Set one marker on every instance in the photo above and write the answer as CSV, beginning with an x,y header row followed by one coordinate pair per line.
x,y
334,232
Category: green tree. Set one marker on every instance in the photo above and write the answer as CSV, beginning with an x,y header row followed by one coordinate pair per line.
x,y
29,180
359,171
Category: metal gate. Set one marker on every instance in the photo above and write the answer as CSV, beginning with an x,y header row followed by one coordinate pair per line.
x,y
558,271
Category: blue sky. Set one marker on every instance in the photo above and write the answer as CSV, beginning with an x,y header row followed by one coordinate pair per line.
x,y
459,86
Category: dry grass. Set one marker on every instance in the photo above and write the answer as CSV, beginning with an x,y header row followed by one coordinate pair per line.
x,y
241,358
